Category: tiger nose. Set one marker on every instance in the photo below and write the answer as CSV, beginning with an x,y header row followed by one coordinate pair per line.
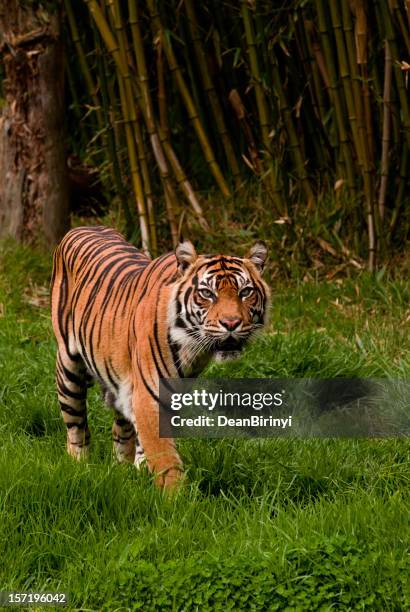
x,y
230,323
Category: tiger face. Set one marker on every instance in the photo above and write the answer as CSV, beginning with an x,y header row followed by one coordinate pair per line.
x,y
220,302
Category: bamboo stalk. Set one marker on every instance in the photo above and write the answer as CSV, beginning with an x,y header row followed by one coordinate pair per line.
x,y
316,89
171,217
211,92
256,77
362,141
400,84
344,72
261,104
134,168
162,98
145,195
91,87
188,66
183,182
126,105
76,107
335,93
304,113
315,124
403,178
159,140
395,8
146,106
361,50
188,101
384,164
300,166
112,153
378,86
240,112
363,156
133,108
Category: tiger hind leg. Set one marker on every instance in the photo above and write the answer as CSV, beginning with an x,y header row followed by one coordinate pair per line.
x,y
124,439
72,381
127,447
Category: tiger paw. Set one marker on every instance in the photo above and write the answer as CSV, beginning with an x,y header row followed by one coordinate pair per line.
x,y
170,480
80,453
140,458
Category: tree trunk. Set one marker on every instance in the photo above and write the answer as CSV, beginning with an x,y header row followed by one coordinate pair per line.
x,y
33,171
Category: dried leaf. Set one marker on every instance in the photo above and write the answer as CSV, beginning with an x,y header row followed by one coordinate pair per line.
x,y
283,221
327,247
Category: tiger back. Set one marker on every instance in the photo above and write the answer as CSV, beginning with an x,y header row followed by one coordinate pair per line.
x,y
127,321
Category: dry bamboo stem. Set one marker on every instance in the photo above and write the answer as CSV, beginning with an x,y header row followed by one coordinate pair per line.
x,y
183,182
188,101
211,92
384,164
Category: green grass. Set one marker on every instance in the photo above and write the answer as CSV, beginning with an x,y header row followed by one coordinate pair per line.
x,y
260,525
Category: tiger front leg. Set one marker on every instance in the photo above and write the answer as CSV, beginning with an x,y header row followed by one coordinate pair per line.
x,y
160,453
72,393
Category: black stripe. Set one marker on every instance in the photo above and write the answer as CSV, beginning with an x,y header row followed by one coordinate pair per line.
x,y
72,411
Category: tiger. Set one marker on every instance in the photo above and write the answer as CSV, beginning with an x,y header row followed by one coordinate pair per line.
x,y
128,321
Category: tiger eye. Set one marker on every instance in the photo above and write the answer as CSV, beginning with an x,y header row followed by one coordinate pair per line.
x,y
207,294
246,292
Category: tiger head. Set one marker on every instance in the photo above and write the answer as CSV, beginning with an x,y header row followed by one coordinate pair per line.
x,y
220,301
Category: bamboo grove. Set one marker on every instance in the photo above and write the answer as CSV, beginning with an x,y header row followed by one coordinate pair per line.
x,y
303,96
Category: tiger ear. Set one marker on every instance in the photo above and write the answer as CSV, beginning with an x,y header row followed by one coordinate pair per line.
x,y
185,254
258,255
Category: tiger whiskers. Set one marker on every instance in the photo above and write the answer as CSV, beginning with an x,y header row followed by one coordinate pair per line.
x,y
192,350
